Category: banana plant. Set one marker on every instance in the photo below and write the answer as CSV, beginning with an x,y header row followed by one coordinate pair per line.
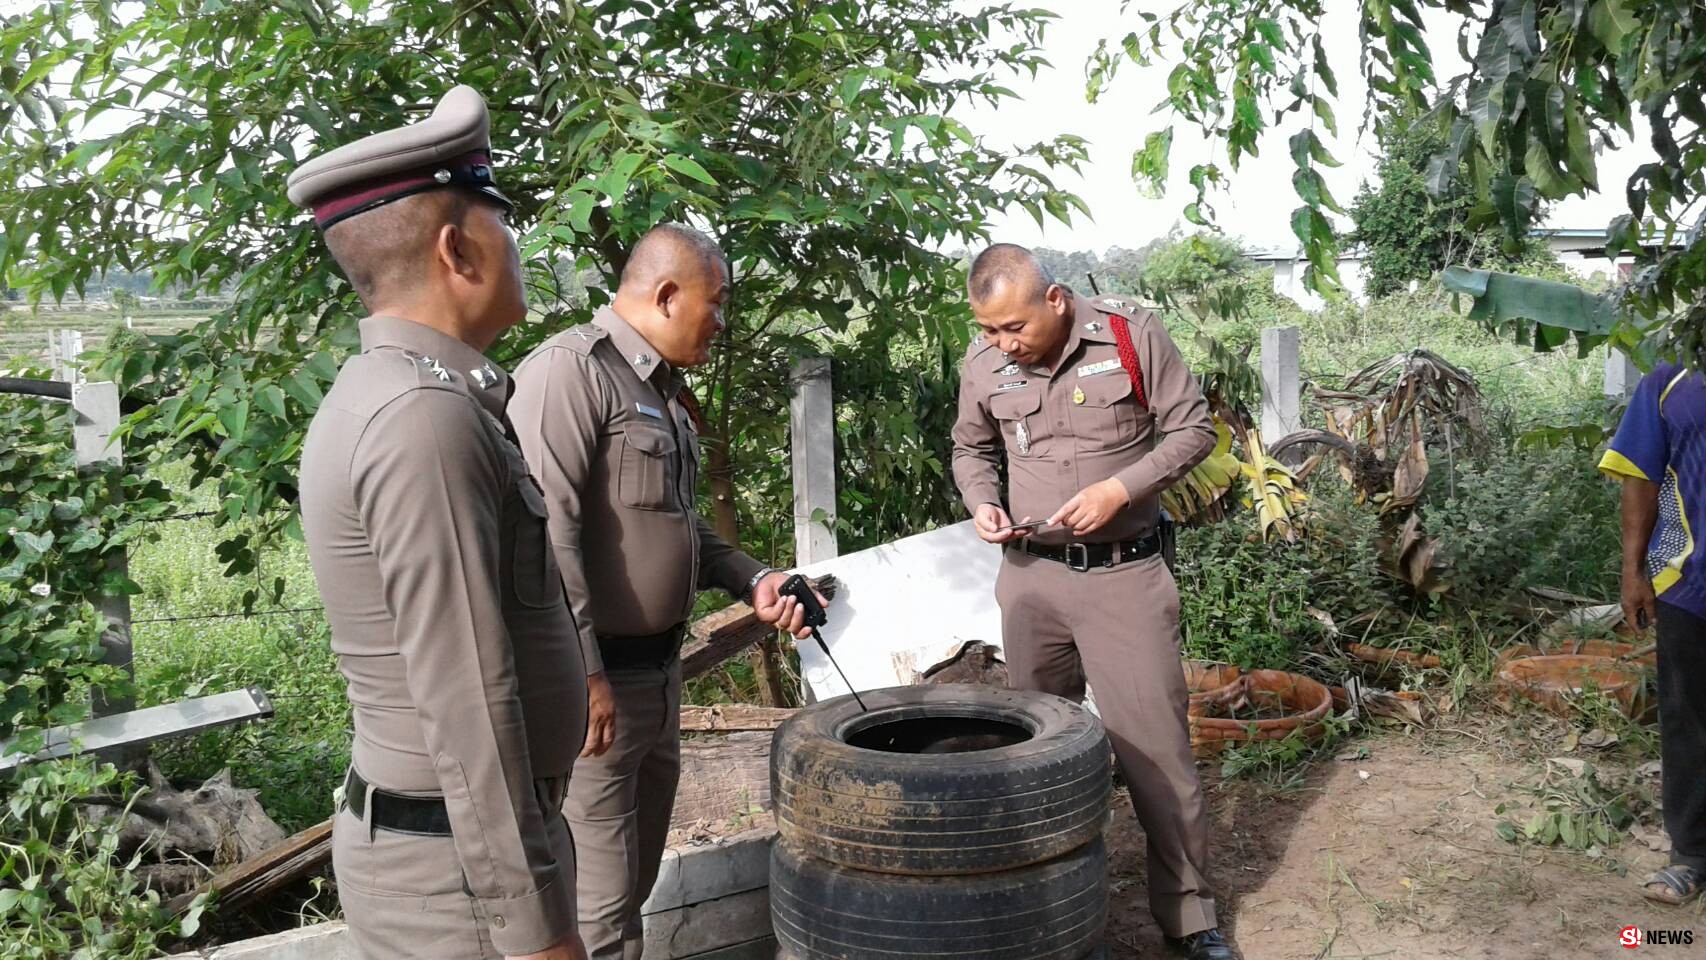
x,y
1272,489
1200,498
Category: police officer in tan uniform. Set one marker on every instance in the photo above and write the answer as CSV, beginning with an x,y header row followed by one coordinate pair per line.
x,y
608,424
428,540
1085,594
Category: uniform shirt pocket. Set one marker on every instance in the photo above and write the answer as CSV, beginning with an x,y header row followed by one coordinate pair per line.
x,y
1021,429
535,572
643,482
1108,418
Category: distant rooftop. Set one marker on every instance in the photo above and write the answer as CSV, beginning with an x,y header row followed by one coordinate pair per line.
x,y
1290,254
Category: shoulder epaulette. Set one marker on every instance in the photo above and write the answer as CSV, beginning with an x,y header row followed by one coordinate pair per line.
x,y
582,338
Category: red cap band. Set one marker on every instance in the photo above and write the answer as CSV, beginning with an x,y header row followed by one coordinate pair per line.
x,y
361,196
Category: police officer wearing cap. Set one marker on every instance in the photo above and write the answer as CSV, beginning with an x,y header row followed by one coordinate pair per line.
x,y
1095,414
428,540
611,429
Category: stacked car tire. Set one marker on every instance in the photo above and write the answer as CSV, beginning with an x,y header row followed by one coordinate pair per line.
x,y
940,821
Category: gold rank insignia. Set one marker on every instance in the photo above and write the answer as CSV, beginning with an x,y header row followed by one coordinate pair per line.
x,y
1078,395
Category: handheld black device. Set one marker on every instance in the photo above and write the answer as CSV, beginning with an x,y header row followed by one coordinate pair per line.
x,y
800,589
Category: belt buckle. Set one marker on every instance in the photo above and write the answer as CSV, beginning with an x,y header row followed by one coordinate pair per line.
x,y
1079,561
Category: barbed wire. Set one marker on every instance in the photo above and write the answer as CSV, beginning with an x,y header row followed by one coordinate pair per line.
x,y
196,515
237,615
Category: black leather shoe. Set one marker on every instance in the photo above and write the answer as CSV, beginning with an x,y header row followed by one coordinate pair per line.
x,y
1206,945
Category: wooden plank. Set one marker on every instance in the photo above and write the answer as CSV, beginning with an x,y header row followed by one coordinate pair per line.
x,y
121,731
723,634
253,881
725,785
732,718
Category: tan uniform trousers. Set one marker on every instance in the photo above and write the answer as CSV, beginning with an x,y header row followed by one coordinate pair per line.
x,y
619,806
1118,628
404,894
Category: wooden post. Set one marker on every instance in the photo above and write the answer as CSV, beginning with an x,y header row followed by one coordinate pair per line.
x,y
812,437
97,410
1621,375
1281,389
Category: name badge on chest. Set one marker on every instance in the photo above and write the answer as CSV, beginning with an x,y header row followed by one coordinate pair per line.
x,y
1105,366
649,411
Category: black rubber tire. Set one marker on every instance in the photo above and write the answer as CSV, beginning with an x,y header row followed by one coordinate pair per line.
x,y
1047,911
941,814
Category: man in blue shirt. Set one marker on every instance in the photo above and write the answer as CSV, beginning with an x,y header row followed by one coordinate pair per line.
x,y
1659,453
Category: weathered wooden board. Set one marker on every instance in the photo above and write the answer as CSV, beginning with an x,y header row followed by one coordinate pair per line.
x,y
257,879
732,718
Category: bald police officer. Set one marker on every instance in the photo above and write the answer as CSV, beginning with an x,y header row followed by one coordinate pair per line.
x,y
428,539
1085,594
609,425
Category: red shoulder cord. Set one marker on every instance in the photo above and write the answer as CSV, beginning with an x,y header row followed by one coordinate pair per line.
x,y
690,403
1128,357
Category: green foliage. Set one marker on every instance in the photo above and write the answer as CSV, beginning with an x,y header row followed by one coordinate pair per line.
x,y
1409,234
1540,517
895,407
1519,127
1194,268
1282,764
1581,811
65,890
815,139
1242,600
1203,281
296,758
61,527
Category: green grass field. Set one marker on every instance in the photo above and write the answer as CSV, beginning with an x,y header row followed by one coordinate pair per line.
x,y
24,332
296,758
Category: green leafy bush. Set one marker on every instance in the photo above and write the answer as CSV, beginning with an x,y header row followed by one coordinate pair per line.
x,y
65,891
1526,518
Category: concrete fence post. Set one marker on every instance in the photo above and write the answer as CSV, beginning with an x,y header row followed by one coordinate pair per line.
x,y
811,433
97,409
1281,385
1621,374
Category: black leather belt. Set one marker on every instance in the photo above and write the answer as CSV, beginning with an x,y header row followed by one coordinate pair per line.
x,y
1083,556
425,816
642,652
397,812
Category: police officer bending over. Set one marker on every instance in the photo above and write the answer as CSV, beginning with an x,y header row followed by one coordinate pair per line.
x,y
427,538
1076,394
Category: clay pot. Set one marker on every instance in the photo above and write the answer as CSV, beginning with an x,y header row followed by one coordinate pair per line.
x,y
1613,649
1211,684
1304,701
1556,682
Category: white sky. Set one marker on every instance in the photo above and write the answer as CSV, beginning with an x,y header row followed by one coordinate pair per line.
x,y
1257,202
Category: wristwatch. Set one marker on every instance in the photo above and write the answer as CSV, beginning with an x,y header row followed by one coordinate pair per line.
x,y
751,585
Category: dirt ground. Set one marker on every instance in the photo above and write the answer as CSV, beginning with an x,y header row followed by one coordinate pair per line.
x,y
1403,863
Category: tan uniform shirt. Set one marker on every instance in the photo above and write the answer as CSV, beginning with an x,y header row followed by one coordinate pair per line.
x,y
428,540
617,454
1080,423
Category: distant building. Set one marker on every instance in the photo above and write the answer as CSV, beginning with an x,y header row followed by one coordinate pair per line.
x,y
1581,250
